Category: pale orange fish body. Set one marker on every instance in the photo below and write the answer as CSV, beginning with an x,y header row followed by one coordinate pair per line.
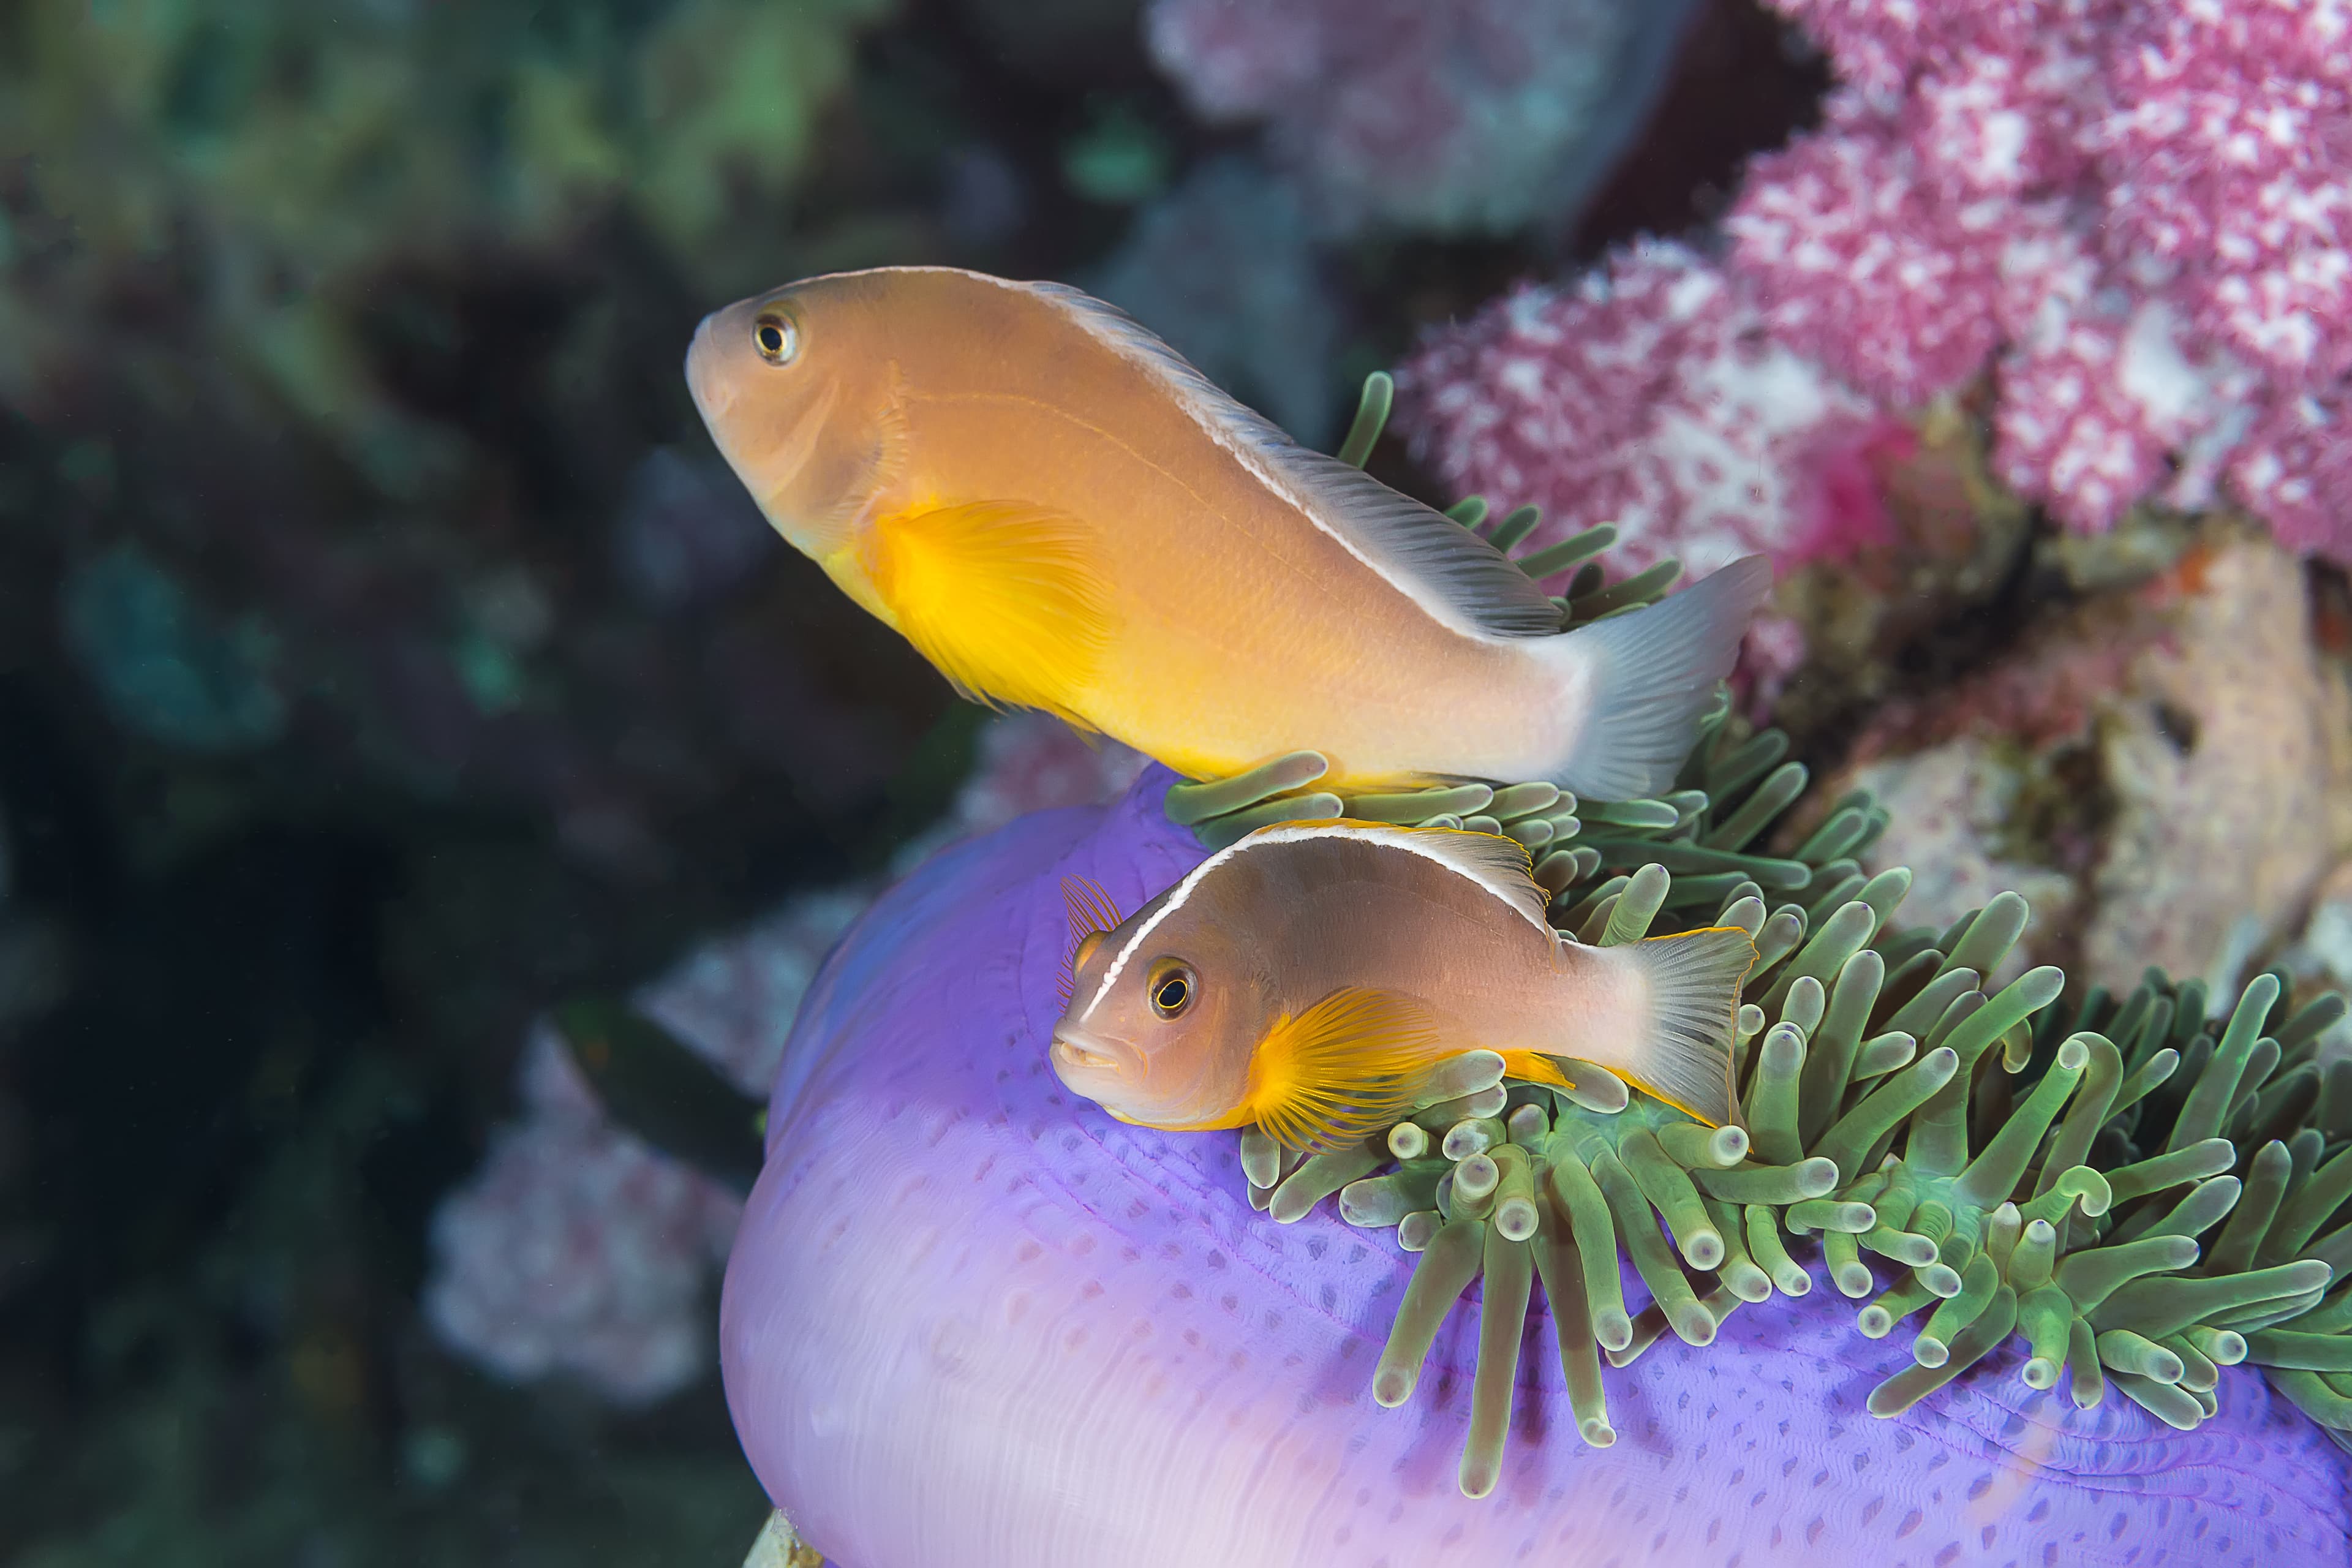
x,y
1305,979
1062,514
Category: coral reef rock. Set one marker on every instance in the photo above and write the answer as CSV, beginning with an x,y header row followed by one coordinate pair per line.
x,y
2180,753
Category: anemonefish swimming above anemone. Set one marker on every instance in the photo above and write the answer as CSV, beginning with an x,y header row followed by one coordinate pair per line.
x,y
1060,513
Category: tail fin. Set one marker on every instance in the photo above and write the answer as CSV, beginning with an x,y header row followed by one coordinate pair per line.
x,y
1650,675
1693,980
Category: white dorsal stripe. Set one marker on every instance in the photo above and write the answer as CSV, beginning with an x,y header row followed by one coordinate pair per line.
x,y
1176,896
1474,857
1445,570
1197,409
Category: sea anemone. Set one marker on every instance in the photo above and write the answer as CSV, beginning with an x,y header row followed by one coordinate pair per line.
x,y
969,1319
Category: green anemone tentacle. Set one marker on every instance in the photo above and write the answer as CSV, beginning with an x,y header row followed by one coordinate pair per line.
x,y
2148,1190
1973,1194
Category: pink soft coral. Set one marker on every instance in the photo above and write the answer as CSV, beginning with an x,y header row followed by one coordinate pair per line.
x,y
579,1249
1840,230
2136,220
2227,152
1648,395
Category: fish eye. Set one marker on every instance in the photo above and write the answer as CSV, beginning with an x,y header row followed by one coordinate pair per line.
x,y
775,338
1173,989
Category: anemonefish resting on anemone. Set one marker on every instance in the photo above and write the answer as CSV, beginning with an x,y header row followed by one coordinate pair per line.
x,y
1061,513
1307,977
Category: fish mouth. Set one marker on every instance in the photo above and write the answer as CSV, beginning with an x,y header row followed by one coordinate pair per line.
x,y
712,394
1081,1059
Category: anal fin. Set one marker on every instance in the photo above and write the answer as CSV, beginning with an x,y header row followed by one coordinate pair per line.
x,y
1534,1067
1005,597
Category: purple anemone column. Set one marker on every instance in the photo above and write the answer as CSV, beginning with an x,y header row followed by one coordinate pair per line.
x,y
970,1323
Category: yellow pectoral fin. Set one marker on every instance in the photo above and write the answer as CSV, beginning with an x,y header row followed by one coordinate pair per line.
x,y
1006,598
1342,1070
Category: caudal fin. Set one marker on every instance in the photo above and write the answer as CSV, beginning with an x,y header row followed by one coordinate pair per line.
x,y
1684,1058
1650,675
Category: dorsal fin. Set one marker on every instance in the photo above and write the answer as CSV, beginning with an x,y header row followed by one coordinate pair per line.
x,y
1090,909
1093,915
1451,573
1497,864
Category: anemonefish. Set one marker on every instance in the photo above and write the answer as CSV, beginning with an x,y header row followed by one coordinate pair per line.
x,y
1306,978
1061,513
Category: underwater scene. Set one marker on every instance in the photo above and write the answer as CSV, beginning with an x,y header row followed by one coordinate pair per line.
x,y
1175,784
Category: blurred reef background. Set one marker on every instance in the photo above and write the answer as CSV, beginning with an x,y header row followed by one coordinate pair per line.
x,y
426,785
